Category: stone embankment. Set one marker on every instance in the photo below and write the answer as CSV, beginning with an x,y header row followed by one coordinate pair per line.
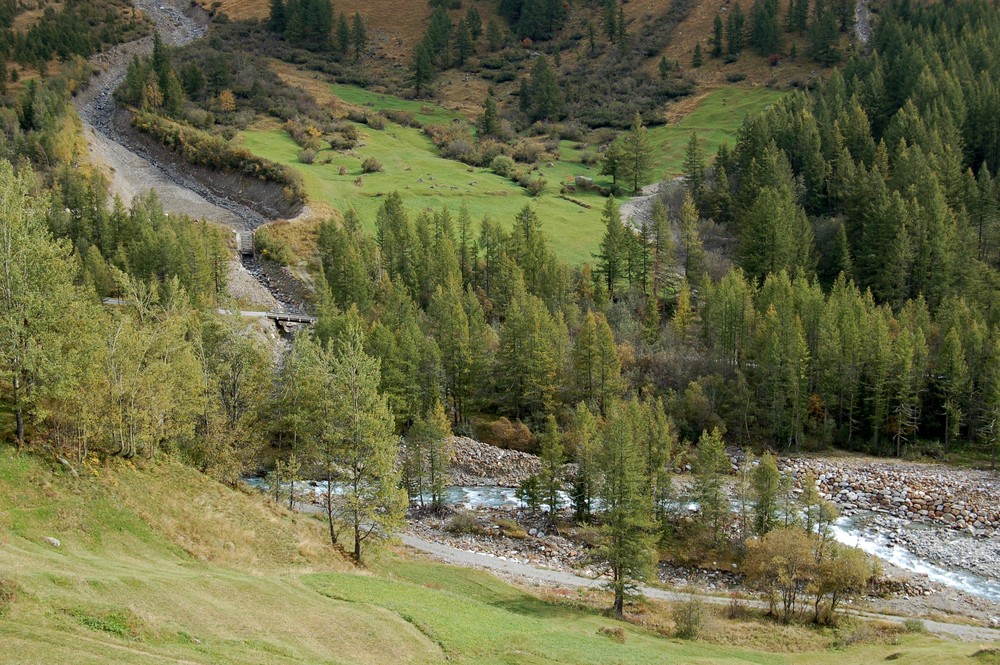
x,y
959,499
476,463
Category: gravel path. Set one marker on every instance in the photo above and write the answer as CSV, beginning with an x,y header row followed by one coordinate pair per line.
x,y
558,578
130,173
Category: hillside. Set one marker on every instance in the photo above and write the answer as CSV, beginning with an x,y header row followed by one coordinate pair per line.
x,y
158,563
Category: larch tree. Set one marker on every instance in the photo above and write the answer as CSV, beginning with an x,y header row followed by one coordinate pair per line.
x,y
638,154
431,436
585,445
710,469
627,515
552,456
372,503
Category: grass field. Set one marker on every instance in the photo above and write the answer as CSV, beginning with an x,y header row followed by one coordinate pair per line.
x,y
413,167
159,564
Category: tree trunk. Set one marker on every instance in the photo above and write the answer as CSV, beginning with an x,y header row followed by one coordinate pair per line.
x,y
357,542
18,412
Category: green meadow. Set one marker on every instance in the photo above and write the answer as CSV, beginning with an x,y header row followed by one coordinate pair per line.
x,y
412,166
157,563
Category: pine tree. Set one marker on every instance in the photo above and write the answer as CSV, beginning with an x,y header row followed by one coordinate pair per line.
x,y
585,445
276,17
596,366
552,456
823,38
952,384
546,97
372,504
431,435
474,22
664,68
613,163
638,154
627,516
697,58
359,36
734,30
710,468
694,168
694,252
611,259
765,482
463,43
494,38
610,20
421,69
343,35
489,123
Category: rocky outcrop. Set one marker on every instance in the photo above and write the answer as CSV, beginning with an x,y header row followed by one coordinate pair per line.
x,y
476,463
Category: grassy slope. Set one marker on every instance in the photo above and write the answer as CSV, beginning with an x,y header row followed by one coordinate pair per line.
x,y
161,565
413,167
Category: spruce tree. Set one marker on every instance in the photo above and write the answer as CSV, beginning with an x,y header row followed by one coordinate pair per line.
x,y
765,482
585,443
697,58
421,69
611,258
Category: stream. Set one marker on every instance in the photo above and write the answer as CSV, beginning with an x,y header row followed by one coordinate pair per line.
x,y
845,531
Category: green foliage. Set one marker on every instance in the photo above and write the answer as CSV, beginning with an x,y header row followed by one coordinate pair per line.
x,y
203,149
627,524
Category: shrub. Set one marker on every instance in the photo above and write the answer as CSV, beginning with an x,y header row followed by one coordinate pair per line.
x,y
371,165
616,633
774,59
515,436
688,616
354,115
528,152
307,156
488,150
502,165
914,626
589,157
511,529
535,186
464,523
400,117
735,77
203,149
272,248
375,121
8,594
459,148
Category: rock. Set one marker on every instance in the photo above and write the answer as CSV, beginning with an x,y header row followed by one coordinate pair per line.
x,y
54,542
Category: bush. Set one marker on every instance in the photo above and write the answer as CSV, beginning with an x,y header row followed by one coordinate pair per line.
x,y
371,165
400,117
375,121
202,149
488,150
688,616
502,165
272,248
736,77
8,594
914,626
307,156
535,186
514,436
459,148
511,529
354,115
528,152
464,523
616,633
